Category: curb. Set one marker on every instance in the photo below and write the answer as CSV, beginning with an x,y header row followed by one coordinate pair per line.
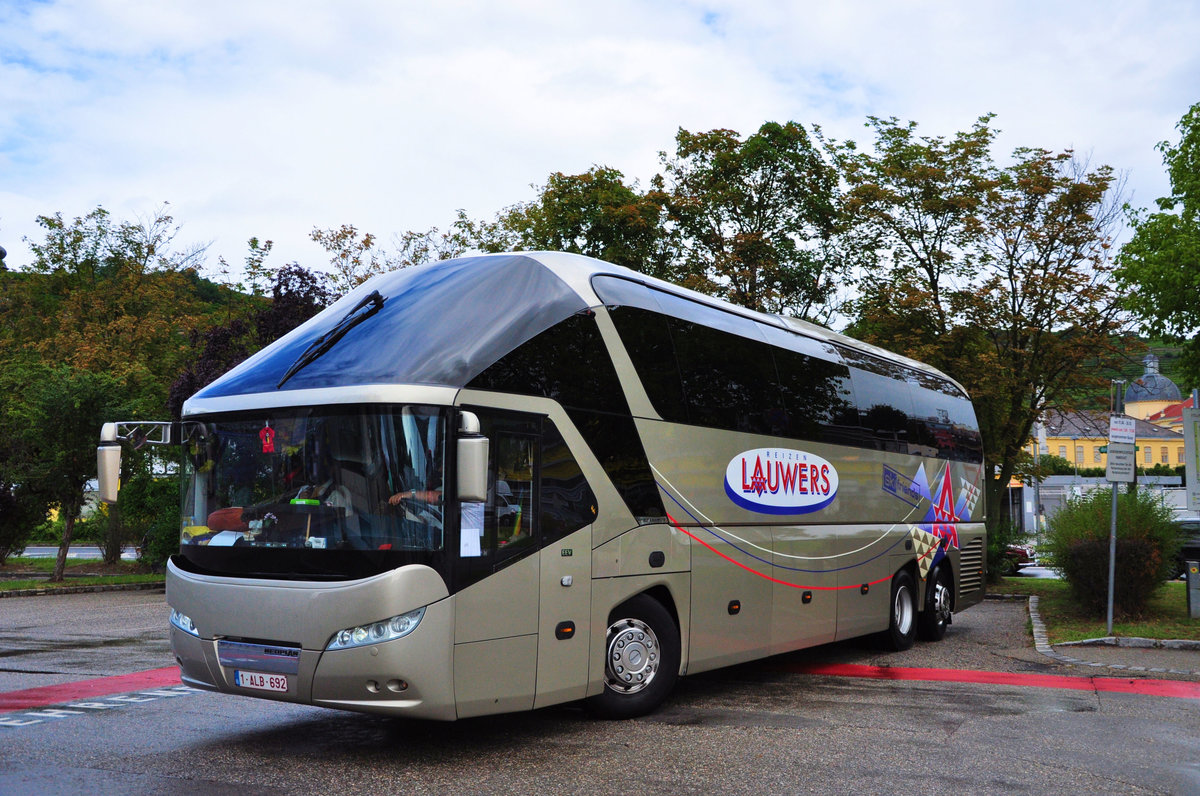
x,y
84,589
1136,643
1042,643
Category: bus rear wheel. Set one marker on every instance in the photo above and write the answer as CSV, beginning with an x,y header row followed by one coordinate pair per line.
x,y
902,626
939,605
641,660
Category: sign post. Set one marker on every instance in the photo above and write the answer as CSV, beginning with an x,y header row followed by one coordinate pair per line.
x,y
1121,468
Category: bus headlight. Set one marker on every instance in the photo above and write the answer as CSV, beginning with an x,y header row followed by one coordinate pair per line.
x,y
184,623
386,630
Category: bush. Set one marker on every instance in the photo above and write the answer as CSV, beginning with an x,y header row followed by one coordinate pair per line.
x,y
150,508
19,512
1147,543
999,537
49,531
104,529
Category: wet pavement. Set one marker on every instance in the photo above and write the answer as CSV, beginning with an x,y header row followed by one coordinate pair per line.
x,y
758,728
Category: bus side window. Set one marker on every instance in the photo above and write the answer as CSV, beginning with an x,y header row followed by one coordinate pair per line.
x,y
567,502
511,496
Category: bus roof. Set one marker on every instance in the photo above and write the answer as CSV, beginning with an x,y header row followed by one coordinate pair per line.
x,y
443,323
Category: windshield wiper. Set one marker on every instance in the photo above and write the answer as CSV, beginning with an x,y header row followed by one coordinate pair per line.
x,y
372,302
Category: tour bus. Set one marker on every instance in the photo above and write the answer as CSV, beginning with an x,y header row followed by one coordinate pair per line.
x,y
502,482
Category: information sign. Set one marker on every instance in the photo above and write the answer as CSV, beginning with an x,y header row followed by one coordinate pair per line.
x,y
1122,429
1191,457
1122,463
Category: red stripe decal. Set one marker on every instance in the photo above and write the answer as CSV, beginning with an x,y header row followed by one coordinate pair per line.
x,y
675,524
1165,688
86,689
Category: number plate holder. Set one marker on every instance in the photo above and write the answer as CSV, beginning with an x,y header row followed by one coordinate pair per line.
x,y
258,657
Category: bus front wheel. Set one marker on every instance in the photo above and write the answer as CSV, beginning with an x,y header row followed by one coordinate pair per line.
x,y
641,660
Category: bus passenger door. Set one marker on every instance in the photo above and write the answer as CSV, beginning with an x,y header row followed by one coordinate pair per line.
x,y
497,577
567,509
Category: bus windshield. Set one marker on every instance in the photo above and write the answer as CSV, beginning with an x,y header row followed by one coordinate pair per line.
x,y
315,479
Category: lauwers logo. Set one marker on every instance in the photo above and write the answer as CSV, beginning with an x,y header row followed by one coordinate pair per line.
x,y
780,481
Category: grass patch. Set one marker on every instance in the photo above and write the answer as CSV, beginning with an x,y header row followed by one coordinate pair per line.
x,y
46,564
1166,615
92,580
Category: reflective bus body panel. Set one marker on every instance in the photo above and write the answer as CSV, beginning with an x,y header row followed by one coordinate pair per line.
x,y
743,576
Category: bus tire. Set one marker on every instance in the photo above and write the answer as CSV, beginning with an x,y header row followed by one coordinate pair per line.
x,y
939,605
902,624
641,660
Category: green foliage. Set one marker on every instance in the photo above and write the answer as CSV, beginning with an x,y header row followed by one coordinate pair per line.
x,y
999,537
1055,465
998,275
102,529
20,511
48,531
596,214
106,296
755,218
1160,265
54,415
150,507
1077,544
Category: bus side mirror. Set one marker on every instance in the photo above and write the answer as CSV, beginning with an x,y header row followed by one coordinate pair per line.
x,y
472,460
108,463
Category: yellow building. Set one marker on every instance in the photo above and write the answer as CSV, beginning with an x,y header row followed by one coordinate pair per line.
x,y
1172,416
1079,436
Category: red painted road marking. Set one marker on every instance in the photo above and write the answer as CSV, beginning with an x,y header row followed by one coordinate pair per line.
x,y
85,689
1182,689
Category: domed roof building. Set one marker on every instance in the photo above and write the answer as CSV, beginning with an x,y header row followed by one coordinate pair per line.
x,y
1151,393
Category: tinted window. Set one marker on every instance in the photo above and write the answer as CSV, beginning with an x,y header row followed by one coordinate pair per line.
x,y
567,502
943,419
568,363
884,403
708,367
501,530
615,443
816,390
440,323
728,381
647,339
571,365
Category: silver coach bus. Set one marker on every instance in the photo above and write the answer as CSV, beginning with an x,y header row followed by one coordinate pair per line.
x,y
502,482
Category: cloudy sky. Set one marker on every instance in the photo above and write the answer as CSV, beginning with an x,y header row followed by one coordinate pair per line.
x,y
263,118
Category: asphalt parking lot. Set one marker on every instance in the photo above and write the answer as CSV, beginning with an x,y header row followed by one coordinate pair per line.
x,y
767,727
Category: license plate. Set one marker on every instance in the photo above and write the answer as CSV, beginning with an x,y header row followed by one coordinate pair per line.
x,y
263,681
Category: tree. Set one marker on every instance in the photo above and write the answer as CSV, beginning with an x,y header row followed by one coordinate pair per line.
x,y
999,276
20,510
596,214
57,420
356,257
1160,266
755,218
918,199
297,294
106,296
102,306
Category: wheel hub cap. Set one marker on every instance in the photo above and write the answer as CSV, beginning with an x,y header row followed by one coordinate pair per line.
x,y
633,656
